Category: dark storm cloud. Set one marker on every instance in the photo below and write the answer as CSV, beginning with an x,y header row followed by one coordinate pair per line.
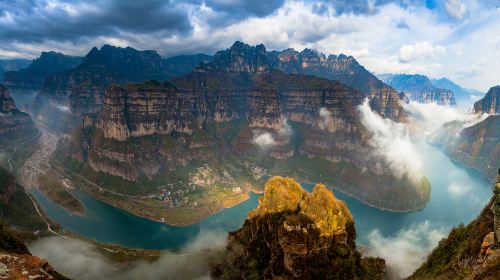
x,y
37,21
245,8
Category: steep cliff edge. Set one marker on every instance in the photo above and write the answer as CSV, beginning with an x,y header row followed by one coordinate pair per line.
x,y
293,234
18,134
490,104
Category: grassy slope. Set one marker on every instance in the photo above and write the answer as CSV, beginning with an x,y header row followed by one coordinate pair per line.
x,y
454,256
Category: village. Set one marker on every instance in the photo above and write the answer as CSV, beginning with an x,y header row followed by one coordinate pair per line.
x,y
178,194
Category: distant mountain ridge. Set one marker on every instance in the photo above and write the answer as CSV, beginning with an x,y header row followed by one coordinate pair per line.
x,y
419,88
7,65
33,77
460,93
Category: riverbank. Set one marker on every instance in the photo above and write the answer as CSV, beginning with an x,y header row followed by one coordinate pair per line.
x,y
208,202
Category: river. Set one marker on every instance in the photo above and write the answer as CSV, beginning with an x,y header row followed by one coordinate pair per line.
x,y
458,195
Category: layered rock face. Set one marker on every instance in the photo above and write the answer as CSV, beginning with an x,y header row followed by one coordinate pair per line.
x,y
232,112
490,104
33,77
15,126
293,234
419,88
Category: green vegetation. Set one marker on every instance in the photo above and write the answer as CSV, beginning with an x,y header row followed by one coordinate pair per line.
x,y
16,208
455,256
329,214
10,242
53,188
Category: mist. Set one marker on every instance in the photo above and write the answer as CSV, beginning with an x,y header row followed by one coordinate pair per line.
x,y
391,141
405,251
81,261
265,139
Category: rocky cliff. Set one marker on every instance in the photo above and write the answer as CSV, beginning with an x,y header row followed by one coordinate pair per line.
x,y
293,234
342,68
16,262
17,132
476,146
419,88
490,104
33,77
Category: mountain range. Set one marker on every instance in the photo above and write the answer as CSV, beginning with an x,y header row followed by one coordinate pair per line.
x,y
419,88
231,113
33,77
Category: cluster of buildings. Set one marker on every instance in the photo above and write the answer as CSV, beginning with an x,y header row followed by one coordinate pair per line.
x,y
176,197
257,172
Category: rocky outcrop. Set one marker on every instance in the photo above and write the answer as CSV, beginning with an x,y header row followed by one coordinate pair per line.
x,y
16,262
293,234
490,104
33,77
419,88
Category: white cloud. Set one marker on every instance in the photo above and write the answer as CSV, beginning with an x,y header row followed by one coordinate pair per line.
x,y
420,50
391,141
79,260
458,189
263,139
408,248
455,9
431,116
63,108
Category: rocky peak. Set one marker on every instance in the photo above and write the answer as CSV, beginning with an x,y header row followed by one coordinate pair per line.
x,y
32,77
490,104
123,59
52,62
241,58
294,234
6,103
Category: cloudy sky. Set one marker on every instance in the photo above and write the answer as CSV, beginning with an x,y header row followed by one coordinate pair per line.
x,y
453,38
